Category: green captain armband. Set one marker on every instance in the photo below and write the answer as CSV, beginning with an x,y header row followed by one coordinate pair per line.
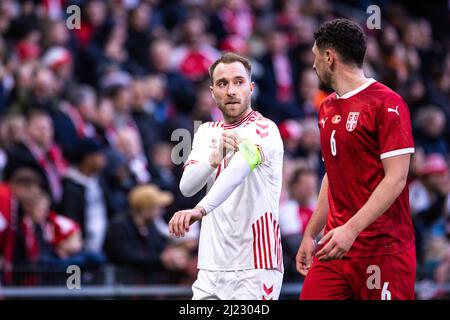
x,y
251,153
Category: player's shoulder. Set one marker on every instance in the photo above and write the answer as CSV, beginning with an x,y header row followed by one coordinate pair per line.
x,y
328,101
329,98
386,101
383,93
261,125
258,120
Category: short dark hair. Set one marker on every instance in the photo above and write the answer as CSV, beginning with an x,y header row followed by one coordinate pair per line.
x,y
344,36
231,57
25,176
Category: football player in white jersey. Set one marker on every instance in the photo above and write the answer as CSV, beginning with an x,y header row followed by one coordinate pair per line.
x,y
240,160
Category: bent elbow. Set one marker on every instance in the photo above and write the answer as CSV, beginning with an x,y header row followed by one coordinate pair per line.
x,y
398,184
401,180
402,184
186,189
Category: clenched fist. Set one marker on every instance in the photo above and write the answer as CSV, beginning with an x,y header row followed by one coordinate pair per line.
x,y
181,220
228,145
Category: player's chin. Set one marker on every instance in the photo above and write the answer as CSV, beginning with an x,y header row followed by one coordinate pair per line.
x,y
233,110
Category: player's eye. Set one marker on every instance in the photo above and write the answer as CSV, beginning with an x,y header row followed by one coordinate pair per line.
x,y
221,84
239,82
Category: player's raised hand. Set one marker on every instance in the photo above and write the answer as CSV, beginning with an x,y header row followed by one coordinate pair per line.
x,y
228,145
229,141
338,242
305,255
181,220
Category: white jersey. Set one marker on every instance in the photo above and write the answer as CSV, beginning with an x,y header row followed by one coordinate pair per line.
x,y
243,232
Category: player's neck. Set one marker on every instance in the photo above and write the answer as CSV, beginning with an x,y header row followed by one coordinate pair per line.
x,y
348,80
228,120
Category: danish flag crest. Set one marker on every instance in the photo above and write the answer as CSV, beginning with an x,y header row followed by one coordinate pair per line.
x,y
352,121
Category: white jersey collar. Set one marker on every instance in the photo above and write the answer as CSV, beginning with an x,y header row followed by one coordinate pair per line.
x,y
357,90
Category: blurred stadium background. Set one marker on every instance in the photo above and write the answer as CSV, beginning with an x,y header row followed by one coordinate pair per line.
x,y
87,116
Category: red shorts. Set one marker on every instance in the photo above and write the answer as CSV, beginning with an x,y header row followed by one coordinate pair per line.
x,y
389,277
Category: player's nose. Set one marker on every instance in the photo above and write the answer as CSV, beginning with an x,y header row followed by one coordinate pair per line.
x,y
231,91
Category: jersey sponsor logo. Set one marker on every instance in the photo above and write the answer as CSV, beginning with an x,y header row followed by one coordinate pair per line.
x,y
322,121
267,294
352,121
394,110
213,143
336,119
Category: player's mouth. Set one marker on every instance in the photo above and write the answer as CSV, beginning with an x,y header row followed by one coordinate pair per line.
x,y
232,102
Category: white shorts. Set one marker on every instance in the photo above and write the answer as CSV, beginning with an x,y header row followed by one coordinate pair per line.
x,y
255,284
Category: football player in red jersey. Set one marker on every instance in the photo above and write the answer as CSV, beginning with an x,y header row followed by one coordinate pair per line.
x,y
368,249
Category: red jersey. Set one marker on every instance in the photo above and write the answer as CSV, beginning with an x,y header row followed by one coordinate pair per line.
x,y
357,131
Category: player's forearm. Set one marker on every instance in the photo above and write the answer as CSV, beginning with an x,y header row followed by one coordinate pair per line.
x,y
226,183
381,199
319,218
194,178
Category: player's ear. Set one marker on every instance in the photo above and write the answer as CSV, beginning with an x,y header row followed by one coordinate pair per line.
x,y
252,86
328,54
330,57
212,92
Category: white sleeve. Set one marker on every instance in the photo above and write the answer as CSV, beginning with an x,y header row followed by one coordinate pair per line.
x,y
228,180
197,170
195,177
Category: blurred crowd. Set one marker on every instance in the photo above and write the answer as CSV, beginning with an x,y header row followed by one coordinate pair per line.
x,y
87,117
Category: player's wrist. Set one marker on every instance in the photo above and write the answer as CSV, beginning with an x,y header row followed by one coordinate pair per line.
x,y
201,210
354,227
310,235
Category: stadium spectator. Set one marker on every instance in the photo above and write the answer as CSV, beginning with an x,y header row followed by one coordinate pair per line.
x,y
147,253
194,55
309,148
76,119
431,124
276,84
309,96
429,197
23,183
119,180
39,151
295,215
180,90
84,198
143,112
128,144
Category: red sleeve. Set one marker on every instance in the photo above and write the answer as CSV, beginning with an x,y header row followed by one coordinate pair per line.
x,y
394,127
